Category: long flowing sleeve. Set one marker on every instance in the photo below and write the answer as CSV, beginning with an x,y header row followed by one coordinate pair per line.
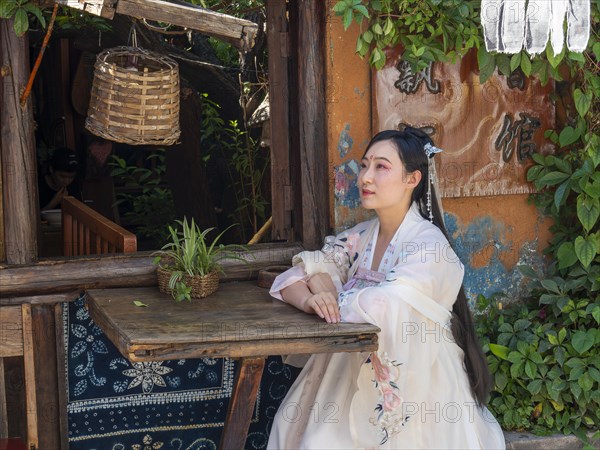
x,y
335,258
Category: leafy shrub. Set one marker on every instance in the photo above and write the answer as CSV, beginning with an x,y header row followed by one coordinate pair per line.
x,y
247,165
148,202
545,363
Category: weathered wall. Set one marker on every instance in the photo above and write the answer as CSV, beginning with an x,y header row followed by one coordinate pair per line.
x,y
491,234
349,119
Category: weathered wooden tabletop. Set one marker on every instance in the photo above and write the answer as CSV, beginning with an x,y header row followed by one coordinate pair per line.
x,y
239,320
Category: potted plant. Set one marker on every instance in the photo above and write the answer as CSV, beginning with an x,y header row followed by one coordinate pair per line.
x,y
189,264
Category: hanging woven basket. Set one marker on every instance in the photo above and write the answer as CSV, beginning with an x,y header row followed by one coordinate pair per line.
x,y
135,97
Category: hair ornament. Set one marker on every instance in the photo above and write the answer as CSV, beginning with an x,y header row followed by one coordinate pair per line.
x,y
431,150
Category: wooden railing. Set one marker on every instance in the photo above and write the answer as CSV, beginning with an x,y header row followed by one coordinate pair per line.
x,y
86,232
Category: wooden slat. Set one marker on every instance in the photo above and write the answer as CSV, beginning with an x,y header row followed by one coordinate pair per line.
x,y
3,408
50,277
81,238
87,241
62,376
89,221
279,118
30,383
349,343
11,331
241,404
49,299
238,32
1,206
312,122
46,382
67,223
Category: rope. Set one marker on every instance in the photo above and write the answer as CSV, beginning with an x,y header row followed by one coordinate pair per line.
x,y
163,30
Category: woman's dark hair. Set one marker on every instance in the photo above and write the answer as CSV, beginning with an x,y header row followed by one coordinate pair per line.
x,y
410,145
64,159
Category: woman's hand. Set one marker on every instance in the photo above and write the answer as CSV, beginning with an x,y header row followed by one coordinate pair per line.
x,y
317,296
325,305
56,200
321,282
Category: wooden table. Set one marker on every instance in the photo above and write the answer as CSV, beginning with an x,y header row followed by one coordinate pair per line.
x,y
240,320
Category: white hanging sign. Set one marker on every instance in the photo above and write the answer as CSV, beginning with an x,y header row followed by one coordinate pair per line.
x,y
511,25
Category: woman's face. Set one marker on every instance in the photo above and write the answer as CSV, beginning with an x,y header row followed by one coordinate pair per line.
x,y
383,182
62,178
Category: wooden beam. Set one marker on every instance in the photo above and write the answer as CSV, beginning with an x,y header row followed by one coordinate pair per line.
x,y
52,277
238,32
19,174
102,8
278,44
312,122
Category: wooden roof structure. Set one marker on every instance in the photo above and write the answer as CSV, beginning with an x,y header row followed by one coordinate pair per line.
x,y
238,32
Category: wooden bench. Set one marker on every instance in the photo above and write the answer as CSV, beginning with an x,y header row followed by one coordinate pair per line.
x,y
86,232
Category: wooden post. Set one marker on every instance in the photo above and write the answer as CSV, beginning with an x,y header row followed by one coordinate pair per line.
x,y
278,43
19,174
46,380
241,404
312,122
30,379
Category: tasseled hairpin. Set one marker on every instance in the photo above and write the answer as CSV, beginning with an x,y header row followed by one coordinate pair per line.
x,y
431,150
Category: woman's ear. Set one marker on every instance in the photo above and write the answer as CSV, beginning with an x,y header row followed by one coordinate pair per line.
x,y
414,178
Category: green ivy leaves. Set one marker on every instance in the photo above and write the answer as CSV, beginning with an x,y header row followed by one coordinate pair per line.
x,y
435,30
583,101
546,375
351,9
19,9
572,175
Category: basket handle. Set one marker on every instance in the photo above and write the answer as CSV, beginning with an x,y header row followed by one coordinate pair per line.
x,y
132,60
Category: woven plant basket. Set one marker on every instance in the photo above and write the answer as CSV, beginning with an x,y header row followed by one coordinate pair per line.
x,y
134,97
202,285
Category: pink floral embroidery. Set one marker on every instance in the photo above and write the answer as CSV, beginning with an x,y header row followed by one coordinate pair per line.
x,y
391,401
381,373
388,412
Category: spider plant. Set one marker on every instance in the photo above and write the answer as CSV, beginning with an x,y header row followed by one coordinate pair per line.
x,y
190,252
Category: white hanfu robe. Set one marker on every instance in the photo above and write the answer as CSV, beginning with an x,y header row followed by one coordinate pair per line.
x,y
413,393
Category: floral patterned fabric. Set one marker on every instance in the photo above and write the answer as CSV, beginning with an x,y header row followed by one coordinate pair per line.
x,y
171,405
413,393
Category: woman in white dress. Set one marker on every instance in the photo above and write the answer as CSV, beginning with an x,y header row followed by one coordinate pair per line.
x,y
427,385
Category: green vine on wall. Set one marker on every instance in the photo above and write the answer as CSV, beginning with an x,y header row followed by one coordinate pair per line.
x,y
543,352
429,31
